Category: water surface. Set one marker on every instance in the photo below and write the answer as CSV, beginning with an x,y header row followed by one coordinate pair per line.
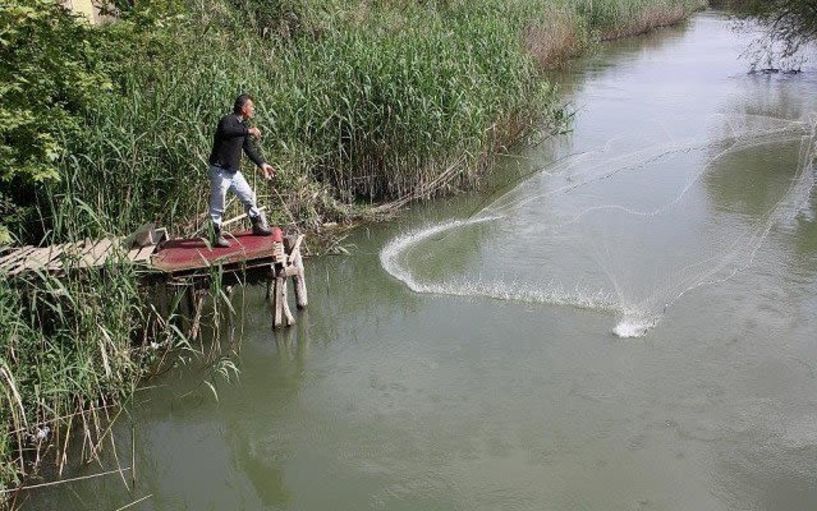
x,y
632,326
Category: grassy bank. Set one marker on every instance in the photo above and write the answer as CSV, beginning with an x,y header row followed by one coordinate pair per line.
x,y
362,103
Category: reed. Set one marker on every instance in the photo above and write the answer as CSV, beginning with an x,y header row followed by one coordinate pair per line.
x,y
362,103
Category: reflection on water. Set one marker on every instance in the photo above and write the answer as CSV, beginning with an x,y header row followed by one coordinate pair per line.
x,y
473,380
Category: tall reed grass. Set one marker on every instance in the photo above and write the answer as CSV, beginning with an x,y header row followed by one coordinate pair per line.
x,y
361,102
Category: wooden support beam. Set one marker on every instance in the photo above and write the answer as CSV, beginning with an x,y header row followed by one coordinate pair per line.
x,y
289,319
300,282
277,303
295,268
197,299
14,255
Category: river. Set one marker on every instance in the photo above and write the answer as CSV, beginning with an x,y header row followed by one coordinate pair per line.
x,y
629,325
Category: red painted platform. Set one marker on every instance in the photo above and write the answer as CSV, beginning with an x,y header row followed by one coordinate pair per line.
x,y
191,254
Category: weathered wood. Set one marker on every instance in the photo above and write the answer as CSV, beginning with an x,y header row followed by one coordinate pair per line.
x,y
197,303
141,254
277,303
253,258
145,253
289,319
56,264
75,252
85,256
294,268
14,255
300,282
36,260
13,262
293,245
133,254
142,237
80,247
99,254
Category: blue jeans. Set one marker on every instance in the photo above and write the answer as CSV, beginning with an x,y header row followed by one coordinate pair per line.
x,y
222,181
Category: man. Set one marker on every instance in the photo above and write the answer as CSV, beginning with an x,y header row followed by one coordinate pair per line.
x,y
232,135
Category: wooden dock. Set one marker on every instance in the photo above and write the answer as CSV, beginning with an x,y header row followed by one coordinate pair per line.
x,y
273,260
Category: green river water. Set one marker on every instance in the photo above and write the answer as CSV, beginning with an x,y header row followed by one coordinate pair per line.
x,y
633,326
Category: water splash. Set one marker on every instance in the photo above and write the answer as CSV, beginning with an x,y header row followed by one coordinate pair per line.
x,y
630,327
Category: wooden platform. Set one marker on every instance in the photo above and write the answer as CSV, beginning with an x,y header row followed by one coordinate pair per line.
x,y
83,254
272,259
184,255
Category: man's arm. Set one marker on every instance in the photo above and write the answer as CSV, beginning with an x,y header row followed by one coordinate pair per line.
x,y
230,127
253,153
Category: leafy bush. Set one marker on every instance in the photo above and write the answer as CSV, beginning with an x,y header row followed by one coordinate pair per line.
x,y
51,75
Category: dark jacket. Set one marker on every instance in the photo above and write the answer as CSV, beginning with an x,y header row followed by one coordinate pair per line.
x,y
231,136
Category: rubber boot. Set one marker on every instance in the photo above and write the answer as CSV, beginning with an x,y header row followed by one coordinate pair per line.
x,y
218,239
259,225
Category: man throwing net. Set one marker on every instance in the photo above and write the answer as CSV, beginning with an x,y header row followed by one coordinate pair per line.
x,y
232,136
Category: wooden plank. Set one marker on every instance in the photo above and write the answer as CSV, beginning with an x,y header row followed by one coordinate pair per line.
x,y
278,302
11,254
69,250
21,262
105,249
9,259
141,254
75,251
54,259
85,258
144,254
36,260
300,283
133,254
96,255
289,319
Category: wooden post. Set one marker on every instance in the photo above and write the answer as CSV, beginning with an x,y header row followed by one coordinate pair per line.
x,y
275,302
289,319
300,283
296,262
289,265
197,297
281,315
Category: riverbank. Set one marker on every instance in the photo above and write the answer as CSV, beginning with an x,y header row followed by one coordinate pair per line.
x,y
362,106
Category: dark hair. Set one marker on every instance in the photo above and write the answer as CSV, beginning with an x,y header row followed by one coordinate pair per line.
x,y
240,101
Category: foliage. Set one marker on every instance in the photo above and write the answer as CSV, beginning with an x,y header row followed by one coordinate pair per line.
x,y
51,75
789,26
360,101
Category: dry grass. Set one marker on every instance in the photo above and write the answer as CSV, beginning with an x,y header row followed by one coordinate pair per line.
x,y
554,40
649,19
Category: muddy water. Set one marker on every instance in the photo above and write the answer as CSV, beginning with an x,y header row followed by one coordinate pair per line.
x,y
632,326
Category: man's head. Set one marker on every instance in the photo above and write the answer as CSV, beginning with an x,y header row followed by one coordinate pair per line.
x,y
244,106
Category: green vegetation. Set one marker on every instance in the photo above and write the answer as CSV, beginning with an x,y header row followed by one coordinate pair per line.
x,y
361,102
50,73
788,25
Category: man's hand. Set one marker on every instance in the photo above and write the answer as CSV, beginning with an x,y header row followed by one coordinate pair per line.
x,y
268,171
255,132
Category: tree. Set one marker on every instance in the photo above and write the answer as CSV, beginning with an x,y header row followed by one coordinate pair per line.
x,y
49,76
788,25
